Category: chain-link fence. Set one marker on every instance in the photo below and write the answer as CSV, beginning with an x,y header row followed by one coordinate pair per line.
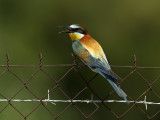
x,y
74,95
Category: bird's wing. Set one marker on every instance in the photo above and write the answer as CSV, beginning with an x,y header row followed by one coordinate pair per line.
x,y
97,60
99,66
94,49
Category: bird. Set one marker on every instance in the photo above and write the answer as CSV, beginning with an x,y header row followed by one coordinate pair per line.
x,y
92,55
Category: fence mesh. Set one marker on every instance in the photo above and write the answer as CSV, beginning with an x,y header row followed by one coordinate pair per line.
x,y
93,105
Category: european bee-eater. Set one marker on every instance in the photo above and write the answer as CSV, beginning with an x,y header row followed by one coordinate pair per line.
x,y
92,55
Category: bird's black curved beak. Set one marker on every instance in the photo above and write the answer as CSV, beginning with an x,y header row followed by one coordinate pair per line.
x,y
68,29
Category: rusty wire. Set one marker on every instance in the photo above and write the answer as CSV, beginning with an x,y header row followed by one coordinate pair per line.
x,y
73,66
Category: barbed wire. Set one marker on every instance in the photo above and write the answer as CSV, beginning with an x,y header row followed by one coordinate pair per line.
x,y
80,101
73,100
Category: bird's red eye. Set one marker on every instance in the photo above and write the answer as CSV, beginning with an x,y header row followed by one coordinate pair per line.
x,y
77,29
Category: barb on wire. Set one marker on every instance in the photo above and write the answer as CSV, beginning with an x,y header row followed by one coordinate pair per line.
x,y
8,61
134,62
40,60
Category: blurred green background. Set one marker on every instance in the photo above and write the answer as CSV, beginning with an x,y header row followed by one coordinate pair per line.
x,y
123,28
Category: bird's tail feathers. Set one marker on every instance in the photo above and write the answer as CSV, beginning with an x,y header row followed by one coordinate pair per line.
x,y
116,87
118,90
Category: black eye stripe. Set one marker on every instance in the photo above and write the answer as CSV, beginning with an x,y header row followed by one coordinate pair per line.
x,y
79,30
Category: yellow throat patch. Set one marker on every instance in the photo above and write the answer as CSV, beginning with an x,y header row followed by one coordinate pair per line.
x,y
75,36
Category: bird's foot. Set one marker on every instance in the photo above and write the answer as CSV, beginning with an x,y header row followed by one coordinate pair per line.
x,y
81,64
